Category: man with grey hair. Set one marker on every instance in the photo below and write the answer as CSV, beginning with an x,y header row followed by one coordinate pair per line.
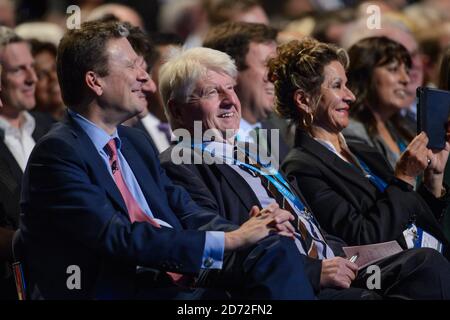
x,y
19,129
95,196
251,45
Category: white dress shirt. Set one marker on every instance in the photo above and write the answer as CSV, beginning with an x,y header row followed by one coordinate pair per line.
x,y
150,122
19,140
247,132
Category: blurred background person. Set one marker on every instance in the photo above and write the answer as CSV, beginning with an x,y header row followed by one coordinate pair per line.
x,y
41,31
378,75
152,120
220,11
396,27
19,131
48,92
121,12
7,13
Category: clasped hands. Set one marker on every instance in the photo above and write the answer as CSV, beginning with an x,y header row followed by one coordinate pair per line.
x,y
271,219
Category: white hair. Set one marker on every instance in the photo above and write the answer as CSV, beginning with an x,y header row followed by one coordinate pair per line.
x,y
181,72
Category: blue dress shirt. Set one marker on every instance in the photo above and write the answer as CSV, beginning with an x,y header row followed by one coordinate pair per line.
x,y
215,240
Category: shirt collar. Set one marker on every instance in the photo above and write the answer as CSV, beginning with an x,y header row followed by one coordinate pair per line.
x,y
327,144
220,150
247,126
28,124
98,136
151,119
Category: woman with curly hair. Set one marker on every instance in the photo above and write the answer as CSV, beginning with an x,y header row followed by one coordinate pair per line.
x,y
352,189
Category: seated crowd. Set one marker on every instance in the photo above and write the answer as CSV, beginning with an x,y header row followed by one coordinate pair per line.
x,y
239,169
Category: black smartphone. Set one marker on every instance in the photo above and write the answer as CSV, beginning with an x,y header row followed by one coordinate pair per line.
x,y
433,107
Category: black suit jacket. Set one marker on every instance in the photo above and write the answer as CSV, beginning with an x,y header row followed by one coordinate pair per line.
x,y
10,186
11,174
219,188
349,206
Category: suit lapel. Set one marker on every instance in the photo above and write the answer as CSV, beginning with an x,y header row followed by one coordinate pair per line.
x,y
238,185
99,170
376,162
330,160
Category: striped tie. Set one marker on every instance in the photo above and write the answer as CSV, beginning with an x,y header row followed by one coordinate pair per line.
x,y
307,240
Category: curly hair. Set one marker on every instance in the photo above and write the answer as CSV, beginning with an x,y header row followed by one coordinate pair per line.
x,y
300,64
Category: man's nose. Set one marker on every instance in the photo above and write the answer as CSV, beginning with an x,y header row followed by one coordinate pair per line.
x,y
31,76
149,86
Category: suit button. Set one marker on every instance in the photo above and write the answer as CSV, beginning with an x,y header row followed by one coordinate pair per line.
x,y
208,262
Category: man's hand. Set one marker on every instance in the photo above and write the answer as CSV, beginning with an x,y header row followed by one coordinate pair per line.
x,y
261,223
285,228
337,272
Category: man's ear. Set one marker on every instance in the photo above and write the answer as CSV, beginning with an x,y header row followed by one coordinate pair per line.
x,y
94,82
302,101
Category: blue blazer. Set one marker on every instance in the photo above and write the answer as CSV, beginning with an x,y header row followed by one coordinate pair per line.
x,y
73,214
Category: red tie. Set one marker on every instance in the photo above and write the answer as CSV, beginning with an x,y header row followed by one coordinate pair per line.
x,y
134,210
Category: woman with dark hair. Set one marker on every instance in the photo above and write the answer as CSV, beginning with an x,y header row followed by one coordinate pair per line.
x,y
353,191
378,75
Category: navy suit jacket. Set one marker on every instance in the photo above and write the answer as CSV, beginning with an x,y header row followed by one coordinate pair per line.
x,y
73,214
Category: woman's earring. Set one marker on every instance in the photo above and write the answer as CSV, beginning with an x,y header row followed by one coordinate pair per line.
x,y
308,120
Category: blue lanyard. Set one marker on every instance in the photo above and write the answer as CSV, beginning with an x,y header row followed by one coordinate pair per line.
x,y
377,181
283,187
401,145
274,177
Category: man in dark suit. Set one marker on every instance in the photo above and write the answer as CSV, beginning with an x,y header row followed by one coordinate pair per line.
x,y
102,220
213,169
251,45
19,130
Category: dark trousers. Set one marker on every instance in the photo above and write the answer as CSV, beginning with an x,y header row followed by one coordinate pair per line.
x,y
413,274
272,269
